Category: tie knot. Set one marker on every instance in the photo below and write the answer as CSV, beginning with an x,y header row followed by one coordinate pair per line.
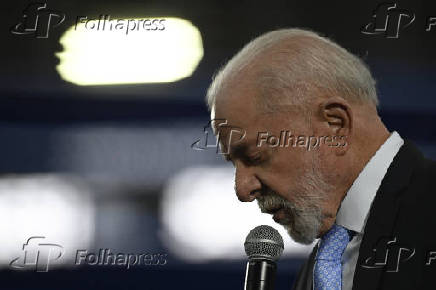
x,y
333,243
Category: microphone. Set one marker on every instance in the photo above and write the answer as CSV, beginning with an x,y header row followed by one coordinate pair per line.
x,y
263,246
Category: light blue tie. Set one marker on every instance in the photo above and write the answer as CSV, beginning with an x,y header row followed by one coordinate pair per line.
x,y
328,269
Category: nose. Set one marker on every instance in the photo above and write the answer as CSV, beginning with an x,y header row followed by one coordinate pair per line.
x,y
247,185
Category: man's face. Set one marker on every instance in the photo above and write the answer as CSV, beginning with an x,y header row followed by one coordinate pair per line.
x,y
286,181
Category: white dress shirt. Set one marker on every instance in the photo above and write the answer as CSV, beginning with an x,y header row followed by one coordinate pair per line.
x,y
354,209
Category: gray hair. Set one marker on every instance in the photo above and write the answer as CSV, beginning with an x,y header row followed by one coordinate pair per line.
x,y
298,62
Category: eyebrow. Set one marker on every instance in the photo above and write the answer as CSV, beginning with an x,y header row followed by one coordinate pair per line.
x,y
236,150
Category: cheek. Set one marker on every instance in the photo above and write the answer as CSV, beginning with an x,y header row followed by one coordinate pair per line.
x,y
285,172
330,166
290,164
284,183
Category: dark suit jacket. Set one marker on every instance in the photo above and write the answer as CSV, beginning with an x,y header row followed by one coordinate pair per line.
x,y
398,249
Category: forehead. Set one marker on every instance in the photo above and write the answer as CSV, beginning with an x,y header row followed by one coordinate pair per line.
x,y
237,102
235,117
233,114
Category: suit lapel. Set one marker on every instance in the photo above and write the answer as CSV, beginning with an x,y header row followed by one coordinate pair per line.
x,y
305,276
383,213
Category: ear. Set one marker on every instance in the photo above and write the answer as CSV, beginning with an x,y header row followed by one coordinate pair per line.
x,y
338,117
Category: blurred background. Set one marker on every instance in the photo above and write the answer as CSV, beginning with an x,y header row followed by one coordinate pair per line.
x,y
97,129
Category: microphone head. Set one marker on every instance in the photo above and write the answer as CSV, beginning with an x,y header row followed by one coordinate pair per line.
x,y
264,242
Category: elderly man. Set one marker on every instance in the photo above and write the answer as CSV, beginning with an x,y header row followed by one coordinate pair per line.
x,y
369,198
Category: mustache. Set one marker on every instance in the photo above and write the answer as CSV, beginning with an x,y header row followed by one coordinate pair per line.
x,y
269,202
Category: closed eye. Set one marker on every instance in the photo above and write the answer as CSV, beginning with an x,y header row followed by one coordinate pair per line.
x,y
254,159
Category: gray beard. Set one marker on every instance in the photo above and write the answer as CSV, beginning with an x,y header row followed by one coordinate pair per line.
x,y
303,219
305,226
301,222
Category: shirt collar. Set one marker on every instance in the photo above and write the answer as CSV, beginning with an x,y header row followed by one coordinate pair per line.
x,y
357,202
